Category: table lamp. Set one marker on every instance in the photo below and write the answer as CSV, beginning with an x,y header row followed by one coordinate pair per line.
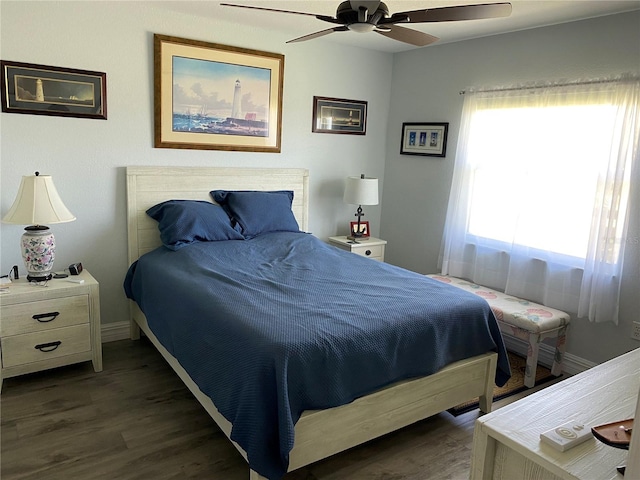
x,y
360,191
37,204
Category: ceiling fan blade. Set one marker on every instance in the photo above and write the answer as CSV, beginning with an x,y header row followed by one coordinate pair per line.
x,y
267,9
324,18
321,33
406,35
451,14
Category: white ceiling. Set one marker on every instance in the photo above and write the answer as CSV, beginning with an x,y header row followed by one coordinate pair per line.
x,y
526,14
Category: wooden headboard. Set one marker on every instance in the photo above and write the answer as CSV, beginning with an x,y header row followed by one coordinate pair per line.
x,y
147,186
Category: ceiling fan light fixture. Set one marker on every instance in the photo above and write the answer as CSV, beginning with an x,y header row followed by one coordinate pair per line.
x,y
361,27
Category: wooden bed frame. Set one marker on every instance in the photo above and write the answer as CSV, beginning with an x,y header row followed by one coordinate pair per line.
x,y
319,433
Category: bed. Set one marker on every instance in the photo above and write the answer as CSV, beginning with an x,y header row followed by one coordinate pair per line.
x,y
302,435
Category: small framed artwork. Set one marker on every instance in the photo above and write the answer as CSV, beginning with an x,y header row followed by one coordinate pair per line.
x,y
44,90
209,96
364,229
429,139
335,115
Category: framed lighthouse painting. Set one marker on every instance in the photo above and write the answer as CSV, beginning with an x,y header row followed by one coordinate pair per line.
x,y
58,91
216,97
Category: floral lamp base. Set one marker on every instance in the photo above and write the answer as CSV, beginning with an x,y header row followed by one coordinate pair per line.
x,y
38,252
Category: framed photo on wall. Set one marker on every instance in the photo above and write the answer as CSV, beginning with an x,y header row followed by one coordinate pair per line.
x,y
58,91
216,97
428,139
336,115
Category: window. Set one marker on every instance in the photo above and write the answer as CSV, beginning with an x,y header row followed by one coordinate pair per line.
x,y
540,176
540,193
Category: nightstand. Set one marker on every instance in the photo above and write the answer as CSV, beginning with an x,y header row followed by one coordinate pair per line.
x,y
372,248
49,326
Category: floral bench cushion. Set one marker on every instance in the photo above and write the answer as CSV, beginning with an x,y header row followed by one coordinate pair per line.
x,y
515,311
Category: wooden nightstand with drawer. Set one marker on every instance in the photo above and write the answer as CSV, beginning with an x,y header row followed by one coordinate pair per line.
x,y
372,248
49,325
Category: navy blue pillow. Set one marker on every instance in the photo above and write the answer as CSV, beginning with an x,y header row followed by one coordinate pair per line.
x,y
182,222
259,212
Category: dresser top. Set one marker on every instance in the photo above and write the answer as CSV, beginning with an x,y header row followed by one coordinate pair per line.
x,y
603,394
21,290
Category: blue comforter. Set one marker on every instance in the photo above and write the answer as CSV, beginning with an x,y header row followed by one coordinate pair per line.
x,y
283,323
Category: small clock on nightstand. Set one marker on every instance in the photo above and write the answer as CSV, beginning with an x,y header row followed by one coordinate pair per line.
x,y
371,248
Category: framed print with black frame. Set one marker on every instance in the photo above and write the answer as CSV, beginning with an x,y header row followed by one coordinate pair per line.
x,y
336,115
216,97
428,139
57,91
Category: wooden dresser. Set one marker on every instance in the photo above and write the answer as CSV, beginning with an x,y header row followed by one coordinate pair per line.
x,y
506,442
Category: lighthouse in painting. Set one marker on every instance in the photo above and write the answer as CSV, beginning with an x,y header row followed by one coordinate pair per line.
x,y
39,91
236,110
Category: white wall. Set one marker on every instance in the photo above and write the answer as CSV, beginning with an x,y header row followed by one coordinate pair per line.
x,y
425,88
87,157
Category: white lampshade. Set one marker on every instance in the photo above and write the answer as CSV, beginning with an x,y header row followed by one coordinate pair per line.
x,y
38,203
361,191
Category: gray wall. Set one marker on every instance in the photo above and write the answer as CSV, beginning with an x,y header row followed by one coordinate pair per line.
x,y
425,88
87,157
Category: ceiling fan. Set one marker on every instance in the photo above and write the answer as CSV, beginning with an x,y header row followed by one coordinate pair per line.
x,y
372,16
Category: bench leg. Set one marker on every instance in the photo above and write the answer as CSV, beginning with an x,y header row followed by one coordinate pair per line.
x,y
532,360
561,341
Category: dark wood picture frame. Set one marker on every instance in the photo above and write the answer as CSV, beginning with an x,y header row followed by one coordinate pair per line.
x,y
199,102
55,91
336,115
428,139
364,228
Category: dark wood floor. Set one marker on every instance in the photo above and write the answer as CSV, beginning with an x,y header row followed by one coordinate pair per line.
x,y
136,420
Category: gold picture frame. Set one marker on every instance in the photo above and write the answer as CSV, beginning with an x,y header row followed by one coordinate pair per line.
x,y
209,96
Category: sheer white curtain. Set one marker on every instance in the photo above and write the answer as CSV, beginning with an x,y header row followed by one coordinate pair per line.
x,y
539,201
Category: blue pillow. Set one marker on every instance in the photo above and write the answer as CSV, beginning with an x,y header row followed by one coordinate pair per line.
x,y
259,212
182,222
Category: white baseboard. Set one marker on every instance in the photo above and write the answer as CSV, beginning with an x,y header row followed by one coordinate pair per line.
x,y
112,332
571,364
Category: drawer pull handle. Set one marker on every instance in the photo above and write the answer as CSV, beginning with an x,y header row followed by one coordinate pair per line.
x,y
367,253
44,317
48,347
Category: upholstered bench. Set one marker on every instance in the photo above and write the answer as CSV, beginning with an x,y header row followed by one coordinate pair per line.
x,y
523,319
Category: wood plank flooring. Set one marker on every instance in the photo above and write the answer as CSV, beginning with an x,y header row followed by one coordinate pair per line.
x,y
136,421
